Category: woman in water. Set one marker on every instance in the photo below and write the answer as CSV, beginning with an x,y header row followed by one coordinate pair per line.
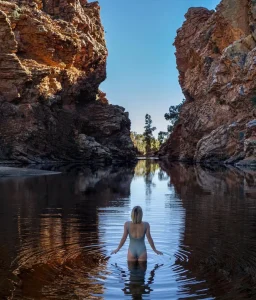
x,y
137,231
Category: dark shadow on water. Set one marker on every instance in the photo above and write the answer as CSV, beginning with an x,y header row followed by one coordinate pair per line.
x,y
136,283
49,237
218,246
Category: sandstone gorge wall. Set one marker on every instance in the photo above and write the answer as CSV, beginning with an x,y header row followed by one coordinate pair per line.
x,y
216,60
52,61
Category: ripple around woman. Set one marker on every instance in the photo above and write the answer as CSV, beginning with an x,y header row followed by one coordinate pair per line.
x,y
137,230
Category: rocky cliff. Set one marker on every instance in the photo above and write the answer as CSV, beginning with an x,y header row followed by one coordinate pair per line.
x,y
52,61
216,60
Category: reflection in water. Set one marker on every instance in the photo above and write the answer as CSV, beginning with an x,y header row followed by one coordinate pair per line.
x,y
162,176
142,283
220,230
56,233
147,169
135,282
49,231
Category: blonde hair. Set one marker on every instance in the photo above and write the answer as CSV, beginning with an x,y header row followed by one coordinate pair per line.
x,y
136,215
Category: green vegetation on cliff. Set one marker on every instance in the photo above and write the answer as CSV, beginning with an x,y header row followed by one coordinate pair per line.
x,y
173,115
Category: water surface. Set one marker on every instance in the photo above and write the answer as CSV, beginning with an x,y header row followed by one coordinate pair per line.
x,y
57,233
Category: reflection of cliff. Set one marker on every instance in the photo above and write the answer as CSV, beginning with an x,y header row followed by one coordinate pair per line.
x,y
52,231
219,228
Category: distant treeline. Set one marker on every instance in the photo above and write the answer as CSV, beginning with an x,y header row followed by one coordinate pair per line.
x,y
145,143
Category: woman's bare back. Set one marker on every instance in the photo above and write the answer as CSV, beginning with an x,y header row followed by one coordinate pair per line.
x,y
137,230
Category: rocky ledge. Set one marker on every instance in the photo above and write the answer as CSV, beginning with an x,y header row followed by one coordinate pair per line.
x,y
216,60
52,61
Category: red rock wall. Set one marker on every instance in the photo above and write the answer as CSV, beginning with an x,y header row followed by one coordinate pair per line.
x,y
216,58
52,61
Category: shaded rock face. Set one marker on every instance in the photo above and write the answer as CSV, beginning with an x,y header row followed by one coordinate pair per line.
x,y
52,61
216,57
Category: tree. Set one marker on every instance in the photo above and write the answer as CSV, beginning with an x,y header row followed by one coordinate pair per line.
x,y
148,133
162,136
173,115
170,128
139,143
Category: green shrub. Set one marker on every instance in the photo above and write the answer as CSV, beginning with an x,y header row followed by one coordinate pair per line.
x,y
16,14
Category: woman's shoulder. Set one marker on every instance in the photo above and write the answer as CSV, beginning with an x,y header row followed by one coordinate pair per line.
x,y
146,223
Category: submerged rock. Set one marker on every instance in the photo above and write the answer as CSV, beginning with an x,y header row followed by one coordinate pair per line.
x,y
52,61
216,59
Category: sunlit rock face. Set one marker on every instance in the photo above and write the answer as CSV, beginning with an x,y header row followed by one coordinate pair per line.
x,y
216,59
52,61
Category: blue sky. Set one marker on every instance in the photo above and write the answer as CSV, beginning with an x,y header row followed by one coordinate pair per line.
x,y
141,69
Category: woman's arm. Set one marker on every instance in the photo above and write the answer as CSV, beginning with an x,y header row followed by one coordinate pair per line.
x,y
151,242
123,239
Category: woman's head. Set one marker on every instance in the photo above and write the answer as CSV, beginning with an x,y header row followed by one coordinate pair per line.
x,y
136,214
